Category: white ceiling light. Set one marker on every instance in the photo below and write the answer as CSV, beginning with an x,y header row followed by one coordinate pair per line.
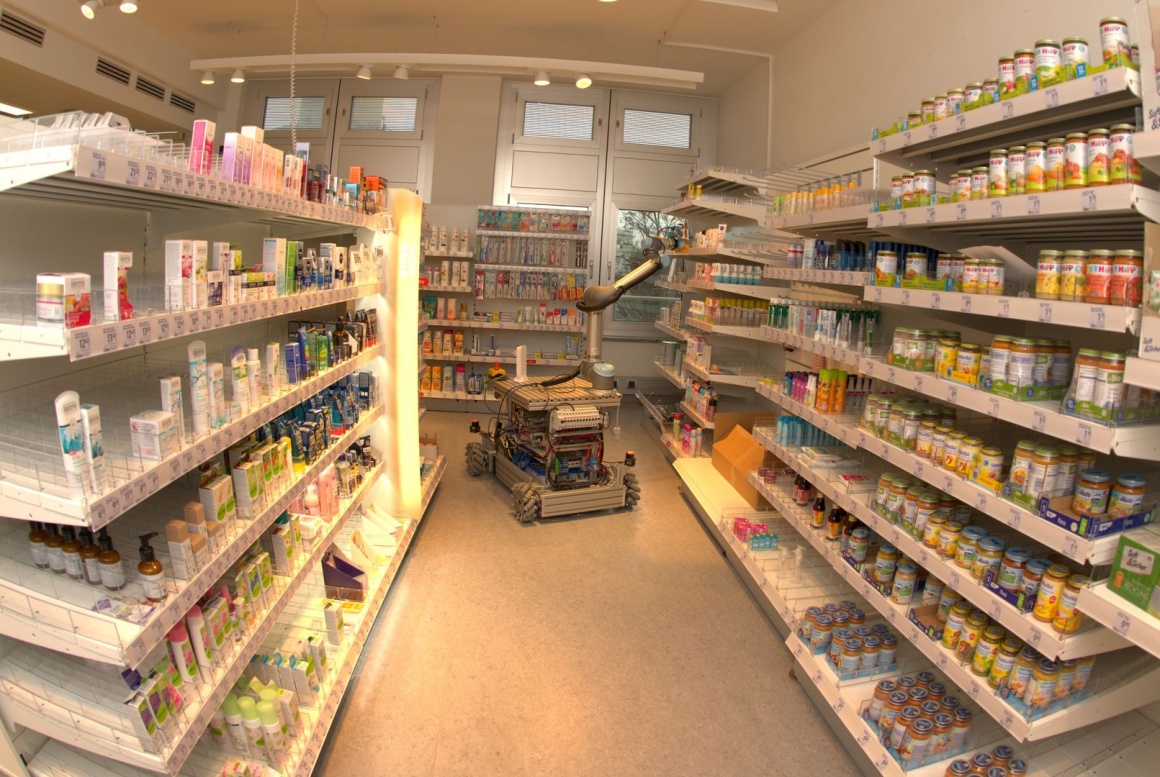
x,y
238,77
89,9
364,73
12,110
128,6
542,79
608,1
403,72
583,81
207,77
769,6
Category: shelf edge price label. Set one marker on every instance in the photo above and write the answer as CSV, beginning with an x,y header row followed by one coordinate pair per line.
x,y
906,139
110,339
890,374
1045,312
1051,98
133,173
952,394
1100,84
98,167
1036,637
1099,318
1071,547
1008,110
996,209
930,212
961,212
918,383
965,304
996,609
877,295
1004,308
80,344
905,296
960,122
935,301
863,739
1087,199
1008,720
973,690
145,331
840,704
993,407
955,583
1083,434
981,502
901,218
933,134
1014,517
1122,623
1033,205
1039,421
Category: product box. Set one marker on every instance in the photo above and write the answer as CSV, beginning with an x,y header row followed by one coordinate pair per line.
x,y
1135,574
883,588
735,456
178,275
1057,510
247,477
1002,388
274,260
201,147
63,298
200,274
923,616
154,435
116,298
1014,598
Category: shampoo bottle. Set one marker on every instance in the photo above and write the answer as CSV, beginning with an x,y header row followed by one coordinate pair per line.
x,y
36,537
52,547
200,637
89,555
150,569
254,376
71,550
234,725
182,650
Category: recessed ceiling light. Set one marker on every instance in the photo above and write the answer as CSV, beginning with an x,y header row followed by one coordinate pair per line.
x,y
207,77
364,73
89,9
608,1
238,77
583,81
12,110
769,6
403,72
542,79
128,6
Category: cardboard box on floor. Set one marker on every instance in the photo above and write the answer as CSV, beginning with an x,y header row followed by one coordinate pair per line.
x,y
737,454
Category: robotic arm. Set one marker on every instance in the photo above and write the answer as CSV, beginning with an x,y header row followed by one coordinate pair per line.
x,y
597,298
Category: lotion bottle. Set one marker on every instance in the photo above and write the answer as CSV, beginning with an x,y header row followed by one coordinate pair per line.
x,y
150,569
52,547
200,638
112,572
71,549
89,558
36,537
254,377
182,649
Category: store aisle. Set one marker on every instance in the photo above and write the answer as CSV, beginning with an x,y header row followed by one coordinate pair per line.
x,y
618,644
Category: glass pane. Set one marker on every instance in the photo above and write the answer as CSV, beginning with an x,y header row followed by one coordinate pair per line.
x,y
307,113
383,114
551,120
650,128
644,302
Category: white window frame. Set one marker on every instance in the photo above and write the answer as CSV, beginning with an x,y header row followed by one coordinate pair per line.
x,y
258,91
702,128
625,329
352,88
560,95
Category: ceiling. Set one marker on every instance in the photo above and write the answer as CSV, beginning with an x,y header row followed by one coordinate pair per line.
x,y
623,32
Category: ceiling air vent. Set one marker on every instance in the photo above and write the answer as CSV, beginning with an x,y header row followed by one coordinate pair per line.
x,y
151,88
21,28
182,102
113,71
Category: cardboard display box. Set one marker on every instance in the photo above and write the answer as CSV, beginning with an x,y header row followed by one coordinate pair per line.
x,y
735,456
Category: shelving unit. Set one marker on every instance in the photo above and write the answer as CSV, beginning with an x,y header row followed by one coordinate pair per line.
x,y
57,617
720,378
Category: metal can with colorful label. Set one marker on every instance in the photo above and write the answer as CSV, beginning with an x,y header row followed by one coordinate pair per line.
x,y
1098,159
1114,42
1048,62
997,168
1035,167
1075,57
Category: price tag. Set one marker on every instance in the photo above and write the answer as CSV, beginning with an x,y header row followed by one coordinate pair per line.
x,y
145,331
955,581
187,460
996,209
879,219
80,344
115,503
179,325
1033,205
905,296
942,662
219,317
206,319
1051,98
1100,84
1099,319
935,301
918,383
952,393
154,482
212,189
882,762
965,303
1087,199
1014,517
906,139
948,483
930,214
877,295
895,536
1121,624
993,407
901,218
201,186
840,704
133,173
174,468
933,131
919,468
864,739
923,557
166,179
109,338
890,374
194,323
981,502
99,166
961,212
150,176
1071,547
973,691
1008,720
882,146
1083,434
178,181
163,327
1008,110
996,609
99,511
960,122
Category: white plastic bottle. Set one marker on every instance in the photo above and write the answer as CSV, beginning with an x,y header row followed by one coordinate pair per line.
x,y
255,734
272,728
254,375
183,656
199,637
235,726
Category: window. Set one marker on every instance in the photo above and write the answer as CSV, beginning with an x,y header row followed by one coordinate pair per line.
x,y
643,303
553,120
652,128
383,114
308,113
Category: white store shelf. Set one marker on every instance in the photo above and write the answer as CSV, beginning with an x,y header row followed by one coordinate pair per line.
x,y
462,396
674,448
848,222
671,374
533,361
828,350
730,254
745,332
472,324
27,501
672,331
432,254
432,482
68,627
447,289
532,268
1142,372
513,233
700,420
29,341
962,140
726,181
825,277
723,211
1109,318
422,412
724,379
1121,616
1141,442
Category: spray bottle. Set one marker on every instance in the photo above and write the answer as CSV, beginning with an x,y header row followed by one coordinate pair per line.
x,y
255,734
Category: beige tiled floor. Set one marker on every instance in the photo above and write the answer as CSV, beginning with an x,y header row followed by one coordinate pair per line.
x,y
616,644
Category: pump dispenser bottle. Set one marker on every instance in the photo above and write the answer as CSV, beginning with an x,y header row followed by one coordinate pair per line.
x,y
89,558
36,537
150,569
52,547
71,549
109,560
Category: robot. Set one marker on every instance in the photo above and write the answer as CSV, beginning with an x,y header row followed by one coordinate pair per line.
x,y
546,441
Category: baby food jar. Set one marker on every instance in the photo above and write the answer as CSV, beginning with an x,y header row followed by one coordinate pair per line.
x,y
1049,274
1050,590
1127,496
969,638
905,579
933,530
1041,690
1075,173
946,603
1035,171
968,544
1021,675
1092,492
1127,282
1011,568
1097,158
885,563
1053,160
1032,576
1073,283
969,450
948,538
1004,661
1099,277
986,650
955,623
988,555
1067,618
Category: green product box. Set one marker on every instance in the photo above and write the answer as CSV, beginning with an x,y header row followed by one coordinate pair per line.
x,y
1002,388
1135,572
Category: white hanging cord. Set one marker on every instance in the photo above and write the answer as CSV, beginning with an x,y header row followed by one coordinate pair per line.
x,y
293,73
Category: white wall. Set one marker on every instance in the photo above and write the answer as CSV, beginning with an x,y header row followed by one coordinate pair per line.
x,y
865,62
465,140
743,137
